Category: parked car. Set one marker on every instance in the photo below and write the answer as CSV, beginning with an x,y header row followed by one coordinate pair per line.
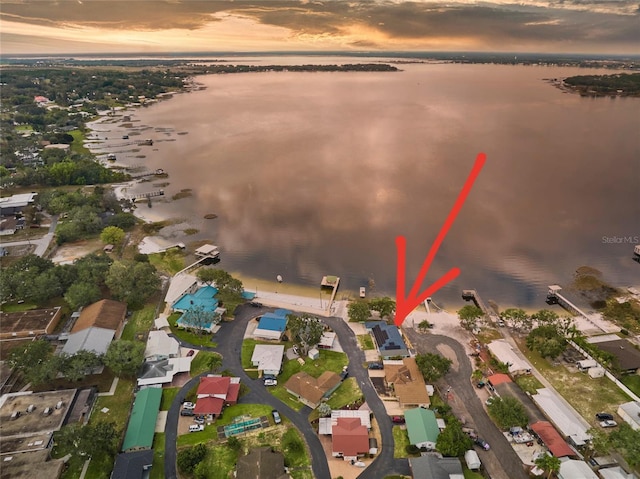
x,y
188,405
196,427
187,412
276,416
608,423
398,419
269,376
191,353
604,416
482,443
481,384
376,366
270,382
255,304
489,401
198,420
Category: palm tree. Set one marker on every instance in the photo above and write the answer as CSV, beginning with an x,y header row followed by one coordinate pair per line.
x,y
549,464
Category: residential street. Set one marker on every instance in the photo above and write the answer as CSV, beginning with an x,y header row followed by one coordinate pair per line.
x,y
501,462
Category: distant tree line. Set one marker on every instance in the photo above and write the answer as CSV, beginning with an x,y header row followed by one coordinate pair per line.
x,y
620,84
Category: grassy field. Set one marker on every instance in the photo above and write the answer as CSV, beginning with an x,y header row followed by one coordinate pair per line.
x,y
119,405
400,442
365,342
157,470
205,339
632,381
588,396
347,393
78,143
529,384
327,361
170,262
200,363
210,432
168,395
139,322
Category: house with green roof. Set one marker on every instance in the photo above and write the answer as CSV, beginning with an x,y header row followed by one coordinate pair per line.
x,y
142,422
422,427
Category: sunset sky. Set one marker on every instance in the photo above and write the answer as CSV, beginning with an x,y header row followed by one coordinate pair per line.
x,y
172,26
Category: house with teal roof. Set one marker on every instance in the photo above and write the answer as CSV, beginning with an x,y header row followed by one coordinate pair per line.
x,y
142,422
422,427
200,310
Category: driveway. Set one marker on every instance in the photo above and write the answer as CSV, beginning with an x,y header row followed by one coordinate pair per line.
x,y
501,462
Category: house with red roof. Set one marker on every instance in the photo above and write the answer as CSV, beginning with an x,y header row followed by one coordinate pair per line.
x,y
350,438
552,439
216,392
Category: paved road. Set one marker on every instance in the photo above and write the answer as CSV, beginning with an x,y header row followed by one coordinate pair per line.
x,y
384,464
229,340
501,462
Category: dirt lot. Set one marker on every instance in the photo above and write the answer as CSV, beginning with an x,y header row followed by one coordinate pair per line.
x,y
68,253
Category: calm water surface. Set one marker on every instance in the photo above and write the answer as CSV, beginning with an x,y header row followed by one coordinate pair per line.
x,y
317,173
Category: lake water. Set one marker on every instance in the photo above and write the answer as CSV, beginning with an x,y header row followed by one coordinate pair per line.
x,y
317,173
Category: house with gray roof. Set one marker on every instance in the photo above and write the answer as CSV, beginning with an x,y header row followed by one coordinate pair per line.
x,y
434,466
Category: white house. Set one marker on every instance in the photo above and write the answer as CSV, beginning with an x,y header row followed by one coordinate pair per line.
x,y
630,412
268,358
563,416
161,346
572,469
503,352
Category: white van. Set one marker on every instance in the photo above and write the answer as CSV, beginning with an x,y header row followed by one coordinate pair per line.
x,y
196,427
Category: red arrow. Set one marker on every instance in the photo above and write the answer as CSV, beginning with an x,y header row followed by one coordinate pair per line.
x,y
404,306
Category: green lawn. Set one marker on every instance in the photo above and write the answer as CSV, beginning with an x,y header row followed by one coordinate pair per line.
x,y
204,339
221,462
168,395
201,362
347,393
365,341
588,396
15,307
119,405
228,414
529,384
469,474
139,322
78,143
632,381
170,262
400,442
327,361
100,469
157,470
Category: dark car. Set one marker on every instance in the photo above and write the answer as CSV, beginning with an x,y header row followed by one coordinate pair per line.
x,y
604,416
255,304
269,376
398,419
482,443
187,412
480,384
191,353
376,366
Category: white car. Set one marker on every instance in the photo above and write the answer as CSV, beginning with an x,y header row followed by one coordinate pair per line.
x,y
196,428
270,382
188,405
608,423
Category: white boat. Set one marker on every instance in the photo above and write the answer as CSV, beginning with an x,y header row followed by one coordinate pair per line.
x,y
362,292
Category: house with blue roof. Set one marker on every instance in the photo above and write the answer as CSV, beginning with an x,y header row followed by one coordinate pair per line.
x,y
388,339
272,325
200,310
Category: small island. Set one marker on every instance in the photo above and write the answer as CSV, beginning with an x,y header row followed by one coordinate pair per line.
x,y
621,84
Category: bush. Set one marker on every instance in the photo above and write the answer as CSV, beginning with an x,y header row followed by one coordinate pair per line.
x,y
189,458
412,449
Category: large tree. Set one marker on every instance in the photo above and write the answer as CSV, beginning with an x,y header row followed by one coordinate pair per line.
x,y
93,440
469,316
81,294
306,331
358,311
384,306
35,362
545,317
124,357
77,366
189,458
508,412
112,235
547,340
132,282
432,366
452,441
549,464
197,318
627,441
517,318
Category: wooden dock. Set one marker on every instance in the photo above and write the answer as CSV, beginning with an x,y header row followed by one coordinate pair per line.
x,y
330,282
472,295
148,195
554,297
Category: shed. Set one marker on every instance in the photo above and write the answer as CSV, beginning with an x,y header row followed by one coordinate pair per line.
x,y
586,364
595,373
630,412
314,354
472,460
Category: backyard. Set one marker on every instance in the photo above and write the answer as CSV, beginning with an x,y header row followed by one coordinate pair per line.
x,y
365,342
327,361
